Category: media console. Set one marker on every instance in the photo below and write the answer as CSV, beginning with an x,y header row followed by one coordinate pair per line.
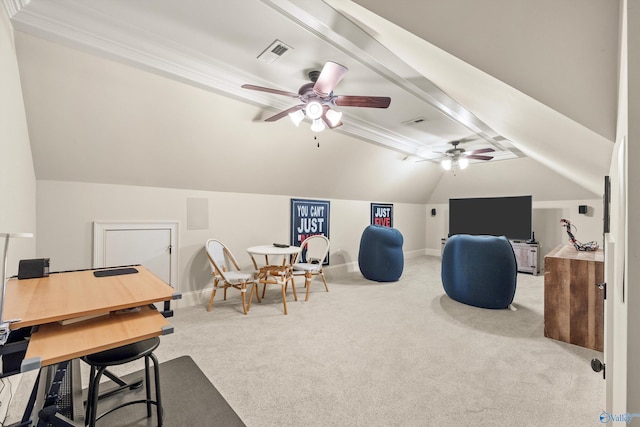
x,y
527,257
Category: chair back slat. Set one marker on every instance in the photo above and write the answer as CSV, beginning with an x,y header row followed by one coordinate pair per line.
x,y
226,273
316,247
220,258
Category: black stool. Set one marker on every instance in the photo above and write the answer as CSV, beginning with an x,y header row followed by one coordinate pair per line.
x,y
118,356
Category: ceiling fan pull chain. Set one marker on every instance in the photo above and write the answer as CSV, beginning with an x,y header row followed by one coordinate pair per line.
x,y
317,139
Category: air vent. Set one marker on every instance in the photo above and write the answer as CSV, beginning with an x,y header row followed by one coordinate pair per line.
x,y
273,52
415,121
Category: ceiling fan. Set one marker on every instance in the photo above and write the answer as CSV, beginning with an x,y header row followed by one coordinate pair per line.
x,y
317,99
460,157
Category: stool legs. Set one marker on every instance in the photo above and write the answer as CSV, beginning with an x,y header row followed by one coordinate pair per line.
x,y
93,393
156,376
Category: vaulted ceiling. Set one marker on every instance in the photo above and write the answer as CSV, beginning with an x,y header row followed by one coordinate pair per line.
x,y
149,92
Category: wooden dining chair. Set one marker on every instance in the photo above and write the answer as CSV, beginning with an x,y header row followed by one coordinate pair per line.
x,y
227,274
314,250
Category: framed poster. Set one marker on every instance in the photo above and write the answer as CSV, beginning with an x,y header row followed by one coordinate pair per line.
x,y
308,218
382,214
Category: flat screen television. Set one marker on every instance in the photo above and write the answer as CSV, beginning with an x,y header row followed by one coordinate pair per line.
x,y
497,216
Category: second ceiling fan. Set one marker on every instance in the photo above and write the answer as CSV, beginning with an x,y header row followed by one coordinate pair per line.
x,y
317,99
460,157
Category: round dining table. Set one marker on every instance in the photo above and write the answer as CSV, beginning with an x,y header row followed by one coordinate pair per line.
x,y
271,273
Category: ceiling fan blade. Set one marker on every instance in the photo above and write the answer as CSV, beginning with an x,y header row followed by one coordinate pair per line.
x,y
362,101
482,150
281,114
269,90
474,156
330,76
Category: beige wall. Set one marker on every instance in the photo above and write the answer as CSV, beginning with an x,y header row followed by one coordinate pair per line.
x,y
17,178
67,210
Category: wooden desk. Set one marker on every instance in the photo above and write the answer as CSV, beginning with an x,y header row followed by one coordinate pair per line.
x,y
45,301
74,294
573,304
93,335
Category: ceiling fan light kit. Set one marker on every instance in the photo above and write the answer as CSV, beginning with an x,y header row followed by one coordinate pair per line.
x,y
317,99
313,110
317,125
296,117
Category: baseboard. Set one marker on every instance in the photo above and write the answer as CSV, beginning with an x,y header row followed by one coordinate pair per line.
x,y
434,252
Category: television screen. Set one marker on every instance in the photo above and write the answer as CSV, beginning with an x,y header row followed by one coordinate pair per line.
x,y
497,216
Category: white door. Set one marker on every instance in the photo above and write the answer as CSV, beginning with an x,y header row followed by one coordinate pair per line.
x,y
151,248
153,245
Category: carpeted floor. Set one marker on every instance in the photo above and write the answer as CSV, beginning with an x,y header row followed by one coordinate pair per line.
x,y
390,354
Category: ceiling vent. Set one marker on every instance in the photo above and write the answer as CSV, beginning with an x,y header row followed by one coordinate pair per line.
x,y
415,121
273,52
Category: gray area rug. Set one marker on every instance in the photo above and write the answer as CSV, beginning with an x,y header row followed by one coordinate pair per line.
x,y
188,399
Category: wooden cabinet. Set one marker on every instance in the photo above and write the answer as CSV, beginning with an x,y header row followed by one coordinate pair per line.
x,y
573,303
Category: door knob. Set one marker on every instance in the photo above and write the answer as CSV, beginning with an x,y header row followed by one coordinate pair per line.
x,y
598,366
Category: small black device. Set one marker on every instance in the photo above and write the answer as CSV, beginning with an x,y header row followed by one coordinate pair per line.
x,y
114,272
280,245
582,209
433,212
33,268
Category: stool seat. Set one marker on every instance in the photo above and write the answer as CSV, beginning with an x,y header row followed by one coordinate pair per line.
x,y
125,354
99,362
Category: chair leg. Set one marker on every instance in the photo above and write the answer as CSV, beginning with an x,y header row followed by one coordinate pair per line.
x,y
243,291
307,283
251,294
325,281
293,286
284,299
255,290
213,294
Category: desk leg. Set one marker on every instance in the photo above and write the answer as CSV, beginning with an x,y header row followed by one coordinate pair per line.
x,y
42,409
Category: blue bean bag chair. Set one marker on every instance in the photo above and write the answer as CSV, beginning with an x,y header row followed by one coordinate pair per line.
x,y
380,257
479,270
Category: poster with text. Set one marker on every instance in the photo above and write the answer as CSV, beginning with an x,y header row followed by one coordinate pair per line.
x,y
308,218
382,214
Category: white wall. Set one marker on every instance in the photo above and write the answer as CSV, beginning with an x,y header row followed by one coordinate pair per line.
x,y
622,347
17,177
67,210
633,210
